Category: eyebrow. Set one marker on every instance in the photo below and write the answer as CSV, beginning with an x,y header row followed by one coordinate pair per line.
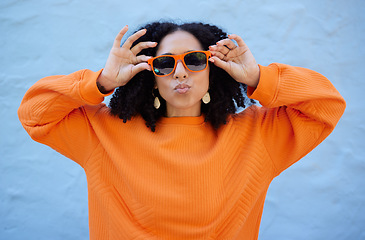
x,y
168,53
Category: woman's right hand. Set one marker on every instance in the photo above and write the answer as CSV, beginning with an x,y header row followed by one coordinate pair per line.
x,y
123,63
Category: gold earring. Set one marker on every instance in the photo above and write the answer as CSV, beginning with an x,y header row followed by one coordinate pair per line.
x,y
206,98
156,103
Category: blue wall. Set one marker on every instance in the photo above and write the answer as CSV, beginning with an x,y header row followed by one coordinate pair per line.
x,y
43,195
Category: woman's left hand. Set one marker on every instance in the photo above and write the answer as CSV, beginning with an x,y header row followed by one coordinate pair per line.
x,y
237,61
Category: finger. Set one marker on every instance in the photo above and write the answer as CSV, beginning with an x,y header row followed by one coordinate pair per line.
x,y
140,67
228,43
143,45
119,37
238,39
220,63
142,58
217,54
219,48
128,43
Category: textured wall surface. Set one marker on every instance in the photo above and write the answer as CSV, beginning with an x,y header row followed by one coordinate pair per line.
x,y
43,195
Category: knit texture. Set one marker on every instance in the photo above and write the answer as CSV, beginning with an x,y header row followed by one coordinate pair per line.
x,y
186,180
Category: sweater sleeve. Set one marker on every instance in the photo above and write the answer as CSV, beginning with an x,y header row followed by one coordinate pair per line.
x,y
300,109
53,112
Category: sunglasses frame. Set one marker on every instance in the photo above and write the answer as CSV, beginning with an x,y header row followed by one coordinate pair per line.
x,y
208,54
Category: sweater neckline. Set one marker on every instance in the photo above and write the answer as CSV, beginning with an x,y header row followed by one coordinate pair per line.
x,y
183,120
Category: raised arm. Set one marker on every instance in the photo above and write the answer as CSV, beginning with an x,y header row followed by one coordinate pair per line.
x,y
300,107
57,110
52,112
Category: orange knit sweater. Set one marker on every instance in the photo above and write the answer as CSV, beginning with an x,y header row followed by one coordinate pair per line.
x,y
186,180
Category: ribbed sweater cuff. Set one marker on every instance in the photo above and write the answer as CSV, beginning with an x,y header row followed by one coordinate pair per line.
x,y
88,88
266,90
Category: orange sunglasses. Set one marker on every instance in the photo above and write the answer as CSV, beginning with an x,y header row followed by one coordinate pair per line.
x,y
194,61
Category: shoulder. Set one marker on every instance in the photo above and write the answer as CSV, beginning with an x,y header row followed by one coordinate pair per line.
x,y
101,113
247,114
99,109
248,118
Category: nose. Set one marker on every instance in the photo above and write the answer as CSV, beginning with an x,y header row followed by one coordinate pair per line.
x,y
180,71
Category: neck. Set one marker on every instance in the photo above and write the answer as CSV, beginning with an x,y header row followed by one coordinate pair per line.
x,y
176,112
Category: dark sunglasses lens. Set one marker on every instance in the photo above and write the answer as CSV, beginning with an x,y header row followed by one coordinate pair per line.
x,y
196,61
163,65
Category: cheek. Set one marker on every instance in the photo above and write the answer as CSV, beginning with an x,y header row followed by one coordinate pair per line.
x,y
205,80
162,85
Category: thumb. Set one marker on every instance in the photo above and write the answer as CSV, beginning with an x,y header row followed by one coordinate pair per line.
x,y
220,63
140,67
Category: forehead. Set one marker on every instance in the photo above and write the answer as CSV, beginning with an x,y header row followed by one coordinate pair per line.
x,y
178,42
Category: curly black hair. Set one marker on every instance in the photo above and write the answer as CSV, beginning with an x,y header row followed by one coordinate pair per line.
x,y
137,96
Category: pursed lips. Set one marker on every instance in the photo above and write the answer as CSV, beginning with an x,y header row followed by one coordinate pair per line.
x,y
182,88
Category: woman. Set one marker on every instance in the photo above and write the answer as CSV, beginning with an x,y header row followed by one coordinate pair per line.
x,y
199,170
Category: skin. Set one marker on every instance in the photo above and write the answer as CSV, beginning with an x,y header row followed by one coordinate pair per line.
x,y
183,89
231,54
